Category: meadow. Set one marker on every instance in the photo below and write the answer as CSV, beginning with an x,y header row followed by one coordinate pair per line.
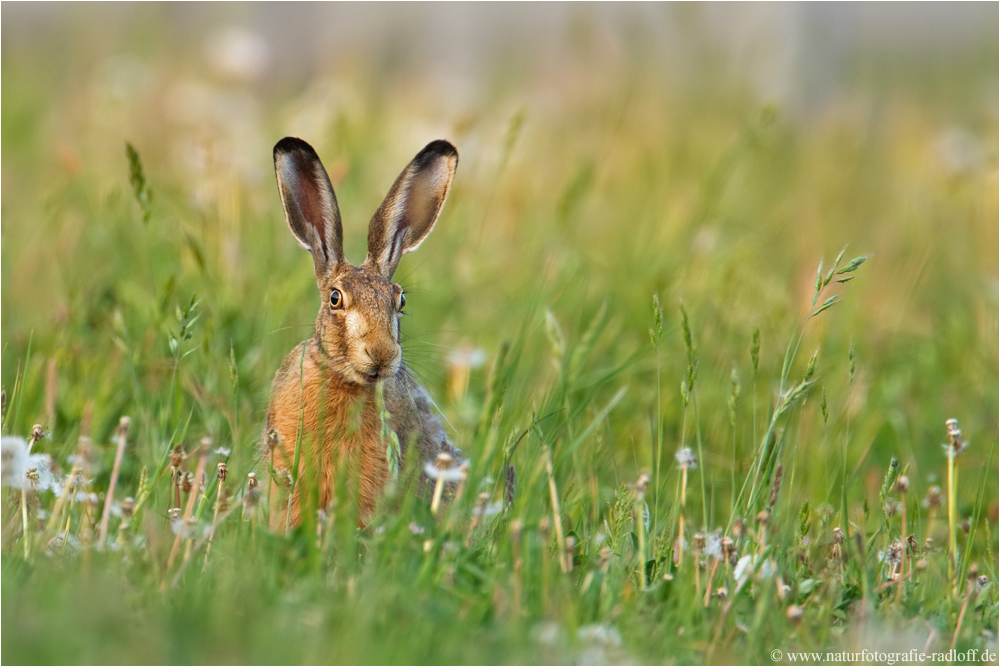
x,y
699,349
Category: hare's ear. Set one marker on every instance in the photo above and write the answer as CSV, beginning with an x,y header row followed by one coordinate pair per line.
x,y
412,206
310,205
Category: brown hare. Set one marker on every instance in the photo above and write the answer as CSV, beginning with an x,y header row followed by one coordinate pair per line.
x,y
326,394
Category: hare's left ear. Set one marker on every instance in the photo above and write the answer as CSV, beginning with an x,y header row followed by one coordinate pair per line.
x,y
413,204
310,205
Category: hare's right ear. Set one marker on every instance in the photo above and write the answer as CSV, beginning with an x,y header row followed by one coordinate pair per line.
x,y
310,205
413,204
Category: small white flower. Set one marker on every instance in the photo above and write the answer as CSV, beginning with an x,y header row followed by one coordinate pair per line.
x,y
416,528
489,510
548,633
746,564
467,357
222,451
600,634
741,566
187,528
685,458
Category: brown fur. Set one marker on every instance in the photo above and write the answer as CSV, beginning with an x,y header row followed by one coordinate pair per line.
x,y
322,395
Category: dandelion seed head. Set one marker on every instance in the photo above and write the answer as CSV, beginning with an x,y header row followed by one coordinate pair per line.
x,y
685,458
438,470
891,507
38,476
903,484
641,484
13,459
713,545
177,456
794,614
37,433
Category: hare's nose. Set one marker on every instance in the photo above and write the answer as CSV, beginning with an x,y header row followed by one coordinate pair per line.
x,y
379,356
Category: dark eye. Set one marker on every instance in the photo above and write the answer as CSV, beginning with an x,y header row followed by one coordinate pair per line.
x,y
336,299
402,300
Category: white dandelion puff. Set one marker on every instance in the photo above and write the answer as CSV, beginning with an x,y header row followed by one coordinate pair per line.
x,y
685,458
445,474
13,459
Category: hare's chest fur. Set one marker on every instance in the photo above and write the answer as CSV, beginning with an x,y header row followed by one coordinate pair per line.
x,y
335,424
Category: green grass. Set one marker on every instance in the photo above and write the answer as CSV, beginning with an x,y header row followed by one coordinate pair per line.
x,y
173,297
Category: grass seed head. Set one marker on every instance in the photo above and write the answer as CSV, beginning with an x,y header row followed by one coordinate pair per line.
x,y
124,424
223,471
776,487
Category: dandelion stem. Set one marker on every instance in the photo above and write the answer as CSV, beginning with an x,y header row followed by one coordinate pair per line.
x,y
109,498
24,520
69,486
952,520
680,519
436,500
187,511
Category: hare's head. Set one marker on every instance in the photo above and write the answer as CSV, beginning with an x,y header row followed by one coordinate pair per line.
x,y
358,325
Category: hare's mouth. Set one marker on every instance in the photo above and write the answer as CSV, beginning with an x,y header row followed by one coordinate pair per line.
x,y
370,377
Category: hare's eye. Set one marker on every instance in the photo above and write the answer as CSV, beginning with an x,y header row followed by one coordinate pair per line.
x,y
402,301
336,299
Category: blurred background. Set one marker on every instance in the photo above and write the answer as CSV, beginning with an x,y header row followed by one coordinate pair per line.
x,y
710,153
